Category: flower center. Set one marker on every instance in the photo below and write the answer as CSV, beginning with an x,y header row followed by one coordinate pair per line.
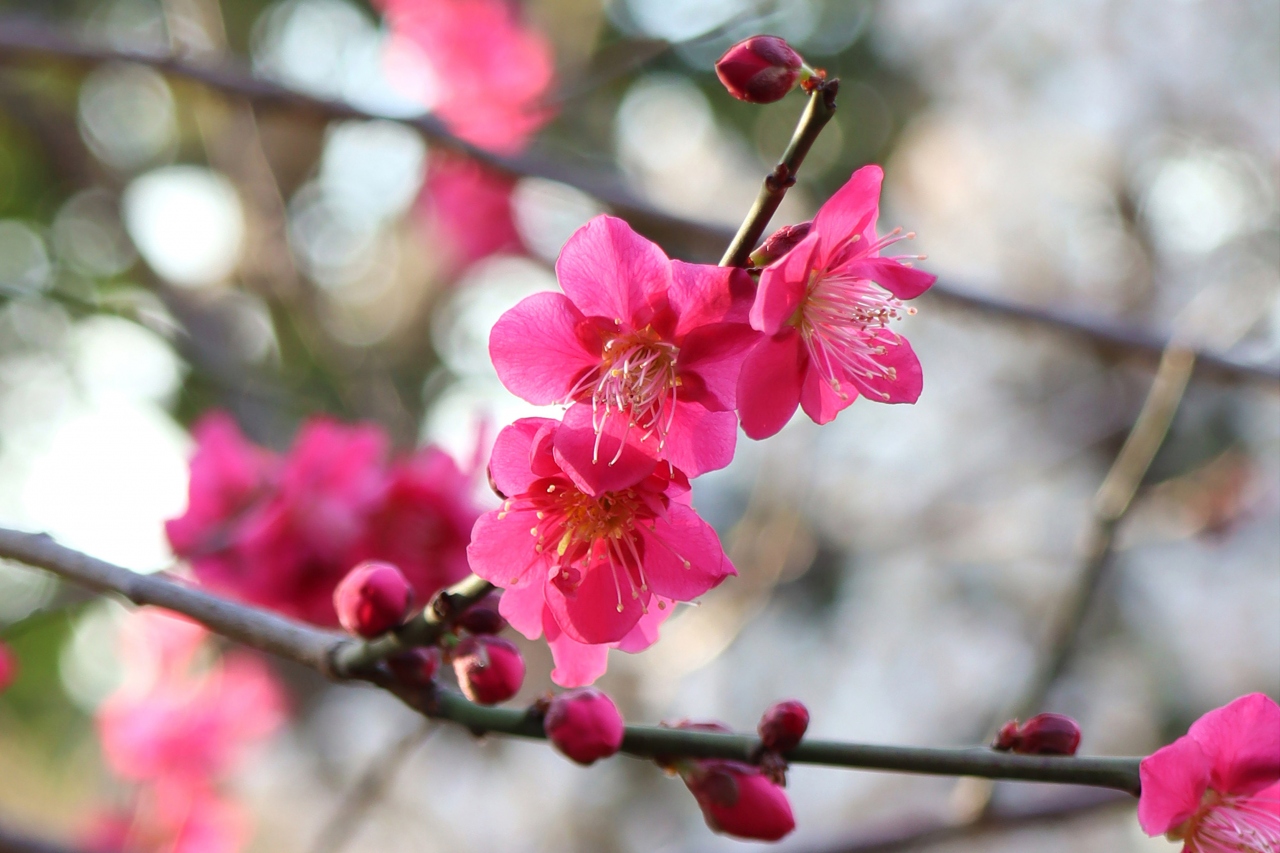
x,y
636,378
1226,824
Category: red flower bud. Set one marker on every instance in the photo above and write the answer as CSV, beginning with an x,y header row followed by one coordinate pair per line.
x,y
783,725
1043,734
761,69
482,619
779,243
738,799
416,666
8,667
584,724
489,669
372,599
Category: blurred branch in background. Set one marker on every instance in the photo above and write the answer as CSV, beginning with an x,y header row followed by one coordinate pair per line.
x,y
22,41
14,841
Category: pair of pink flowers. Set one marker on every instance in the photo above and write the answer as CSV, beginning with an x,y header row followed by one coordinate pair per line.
x,y
283,531
657,360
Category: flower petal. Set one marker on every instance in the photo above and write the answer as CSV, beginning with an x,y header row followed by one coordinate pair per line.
x,y
683,557
769,387
701,294
610,271
511,461
577,664
821,401
645,633
601,608
502,550
907,379
1174,780
700,441
902,281
851,211
523,608
1242,743
783,286
539,348
710,363
616,459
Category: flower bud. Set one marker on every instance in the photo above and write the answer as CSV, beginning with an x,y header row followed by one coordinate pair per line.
x,y
482,618
584,724
779,243
416,666
8,667
489,669
372,599
761,69
783,725
1043,734
738,799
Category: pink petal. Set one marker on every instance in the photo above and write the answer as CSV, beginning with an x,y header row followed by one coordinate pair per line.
x,y
701,294
908,382
595,464
501,549
822,402
645,633
783,286
610,271
600,609
683,557
769,387
538,348
902,281
577,664
700,441
710,363
852,211
511,462
523,608
1174,780
1242,742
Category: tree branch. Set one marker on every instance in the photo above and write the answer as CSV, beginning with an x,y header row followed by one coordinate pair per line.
x,y
22,41
821,107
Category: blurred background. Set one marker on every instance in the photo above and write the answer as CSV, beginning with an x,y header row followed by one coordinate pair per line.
x,y
167,248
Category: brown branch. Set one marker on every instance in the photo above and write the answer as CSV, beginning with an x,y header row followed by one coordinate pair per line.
x,y
23,41
14,841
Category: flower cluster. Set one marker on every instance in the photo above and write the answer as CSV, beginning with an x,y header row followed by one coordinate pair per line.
x,y
283,531
183,721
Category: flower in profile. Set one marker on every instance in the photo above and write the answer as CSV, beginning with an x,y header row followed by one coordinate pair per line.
x,y
825,307
640,343
490,72
593,542
1217,788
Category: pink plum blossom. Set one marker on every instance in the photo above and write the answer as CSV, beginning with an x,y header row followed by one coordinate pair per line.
x,y
591,550
491,73
176,822
826,306
1217,789
637,342
468,212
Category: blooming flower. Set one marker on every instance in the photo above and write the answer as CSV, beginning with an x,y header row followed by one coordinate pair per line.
x,y
590,549
491,72
1217,789
826,306
637,339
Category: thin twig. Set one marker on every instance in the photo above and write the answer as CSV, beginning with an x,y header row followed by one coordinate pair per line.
x,y
317,649
369,789
22,40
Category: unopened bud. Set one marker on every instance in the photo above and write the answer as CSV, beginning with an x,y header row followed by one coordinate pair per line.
x,y
8,667
783,725
416,666
1043,734
761,69
584,724
482,618
372,599
779,243
489,669
738,799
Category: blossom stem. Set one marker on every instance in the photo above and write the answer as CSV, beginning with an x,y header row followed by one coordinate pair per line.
x,y
821,107
320,650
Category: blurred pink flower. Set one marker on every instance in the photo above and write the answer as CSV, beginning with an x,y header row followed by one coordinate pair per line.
x,y
590,552
490,72
826,306
330,503
187,822
467,209
1217,789
635,341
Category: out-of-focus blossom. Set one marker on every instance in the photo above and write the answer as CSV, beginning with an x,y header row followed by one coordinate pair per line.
x,y
491,72
468,212
330,503
185,822
783,725
590,548
1217,788
584,724
372,599
489,669
761,69
1043,734
8,667
637,343
826,306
